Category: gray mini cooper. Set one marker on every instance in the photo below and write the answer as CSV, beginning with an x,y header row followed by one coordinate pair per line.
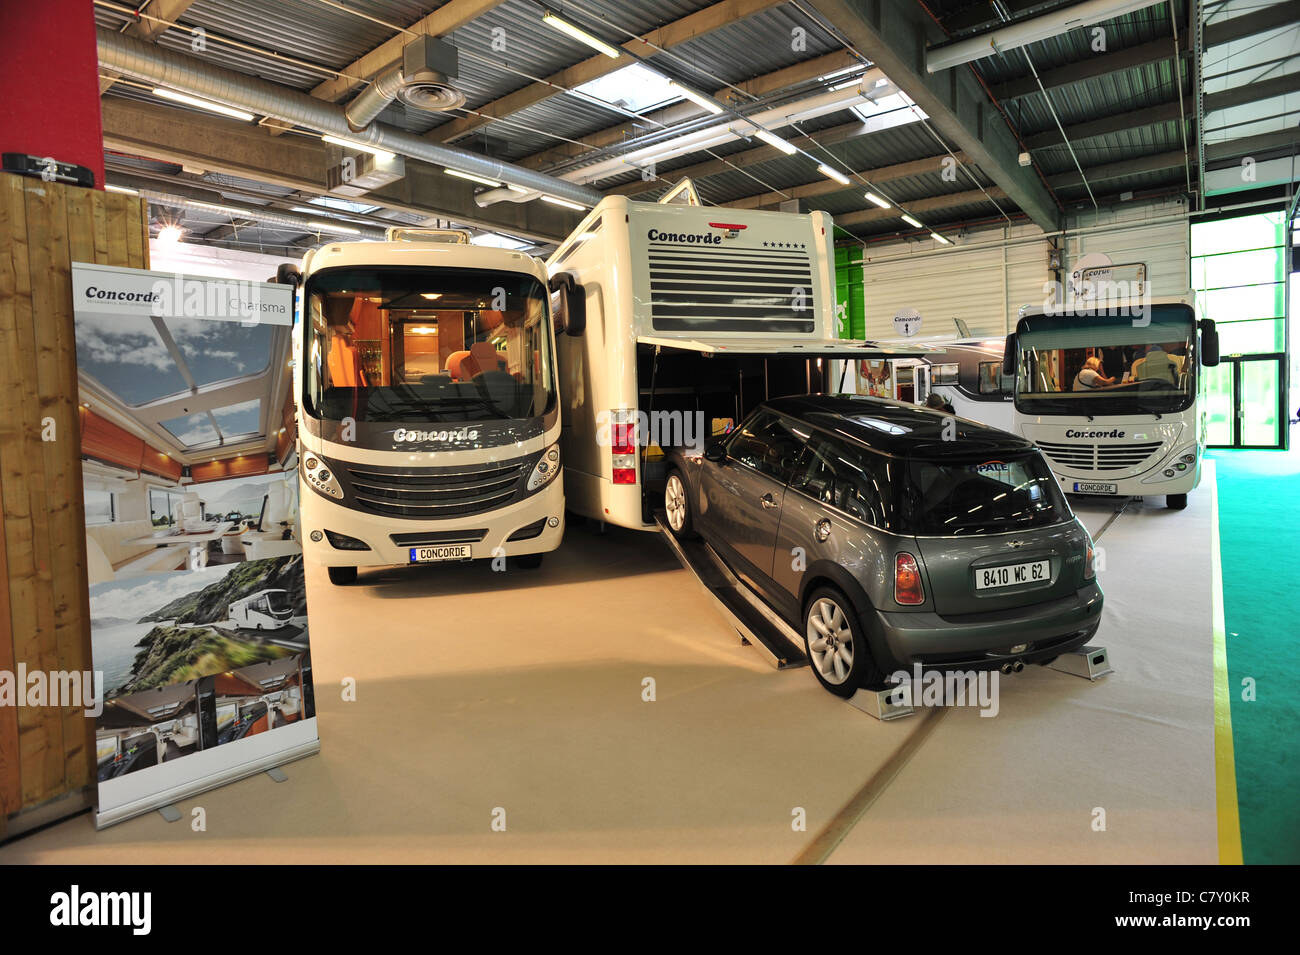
x,y
891,535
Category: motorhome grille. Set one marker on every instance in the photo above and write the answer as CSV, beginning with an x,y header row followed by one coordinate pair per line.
x,y
1099,457
721,289
429,494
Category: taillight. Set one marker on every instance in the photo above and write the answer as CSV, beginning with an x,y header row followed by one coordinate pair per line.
x,y
622,446
1090,564
907,581
622,438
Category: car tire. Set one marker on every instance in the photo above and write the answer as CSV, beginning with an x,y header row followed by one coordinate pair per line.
x,y
342,576
528,561
677,505
830,614
1176,502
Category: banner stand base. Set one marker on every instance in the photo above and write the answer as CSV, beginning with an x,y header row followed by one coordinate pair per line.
x,y
277,774
105,818
170,813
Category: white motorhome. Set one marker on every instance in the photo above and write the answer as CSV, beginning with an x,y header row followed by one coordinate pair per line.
x,y
967,374
1113,394
680,318
428,409
265,610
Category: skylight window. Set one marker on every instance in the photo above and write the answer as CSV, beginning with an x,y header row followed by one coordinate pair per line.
x,y
341,205
636,88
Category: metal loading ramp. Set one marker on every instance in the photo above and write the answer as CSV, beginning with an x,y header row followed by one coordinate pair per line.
x,y
755,622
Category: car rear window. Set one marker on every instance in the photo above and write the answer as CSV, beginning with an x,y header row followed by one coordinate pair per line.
x,y
960,496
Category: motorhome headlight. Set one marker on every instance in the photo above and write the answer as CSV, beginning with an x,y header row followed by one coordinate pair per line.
x,y
319,476
546,468
1188,459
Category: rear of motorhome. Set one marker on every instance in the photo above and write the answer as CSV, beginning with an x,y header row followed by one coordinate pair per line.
x,y
678,319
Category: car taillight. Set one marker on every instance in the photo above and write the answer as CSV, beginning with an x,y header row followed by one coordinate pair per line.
x,y
907,581
625,475
1090,564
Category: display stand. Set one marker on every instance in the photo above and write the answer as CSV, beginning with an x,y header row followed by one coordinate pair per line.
x,y
884,702
1091,663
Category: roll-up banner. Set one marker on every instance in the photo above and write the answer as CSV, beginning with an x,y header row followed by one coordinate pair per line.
x,y
199,626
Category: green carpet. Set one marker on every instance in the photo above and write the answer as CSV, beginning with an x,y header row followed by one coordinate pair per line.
x,y
1259,538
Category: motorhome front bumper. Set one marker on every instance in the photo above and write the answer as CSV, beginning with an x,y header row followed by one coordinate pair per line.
x,y
531,525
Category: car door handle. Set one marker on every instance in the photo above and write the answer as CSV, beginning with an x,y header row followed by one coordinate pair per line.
x,y
767,500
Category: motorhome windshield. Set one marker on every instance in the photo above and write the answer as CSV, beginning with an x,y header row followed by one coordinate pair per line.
x,y
427,345
1099,364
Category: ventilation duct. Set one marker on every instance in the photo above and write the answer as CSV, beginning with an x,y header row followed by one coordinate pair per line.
x,y
154,64
423,80
323,225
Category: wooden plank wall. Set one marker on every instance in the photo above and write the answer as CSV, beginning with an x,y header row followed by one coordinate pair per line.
x,y
47,752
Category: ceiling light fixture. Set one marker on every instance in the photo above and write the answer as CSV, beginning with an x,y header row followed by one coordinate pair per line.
x,y
324,226
912,222
122,189
178,97
883,203
774,140
835,174
699,99
563,202
170,234
579,34
938,238
353,144
473,178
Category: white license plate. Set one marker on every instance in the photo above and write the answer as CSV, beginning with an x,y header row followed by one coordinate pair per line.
x,y
426,555
1094,487
1009,575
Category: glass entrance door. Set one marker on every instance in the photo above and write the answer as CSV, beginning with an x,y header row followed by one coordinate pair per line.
x,y
1245,403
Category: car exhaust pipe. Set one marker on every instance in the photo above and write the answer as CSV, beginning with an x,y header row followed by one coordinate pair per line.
x,y
1017,666
1006,668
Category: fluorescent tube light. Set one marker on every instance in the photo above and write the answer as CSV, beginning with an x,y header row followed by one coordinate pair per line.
x,y
179,97
324,226
581,35
835,174
364,147
883,203
938,238
699,99
519,189
122,189
774,140
563,202
912,222
471,177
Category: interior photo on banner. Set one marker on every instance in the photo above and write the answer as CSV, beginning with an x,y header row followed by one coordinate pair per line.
x,y
198,604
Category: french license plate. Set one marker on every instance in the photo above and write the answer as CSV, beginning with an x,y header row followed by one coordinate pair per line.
x,y
1009,575
1094,487
426,555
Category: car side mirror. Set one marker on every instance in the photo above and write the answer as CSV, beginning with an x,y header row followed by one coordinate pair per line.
x,y
1009,356
288,274
715,451
571,317
1209,343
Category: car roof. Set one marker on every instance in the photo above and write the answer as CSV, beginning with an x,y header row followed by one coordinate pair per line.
x,y
896,427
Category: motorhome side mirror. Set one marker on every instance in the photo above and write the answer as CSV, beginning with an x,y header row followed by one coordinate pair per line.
x,y
572,304
715,451
1209,343
1009,356
288,274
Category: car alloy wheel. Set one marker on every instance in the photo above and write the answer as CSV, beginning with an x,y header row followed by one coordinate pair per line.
x,y
677,507
830,641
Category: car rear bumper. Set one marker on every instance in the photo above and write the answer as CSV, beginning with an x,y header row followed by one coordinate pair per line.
x,y
976,641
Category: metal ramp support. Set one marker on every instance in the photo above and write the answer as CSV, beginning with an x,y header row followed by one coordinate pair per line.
x,y
755,622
